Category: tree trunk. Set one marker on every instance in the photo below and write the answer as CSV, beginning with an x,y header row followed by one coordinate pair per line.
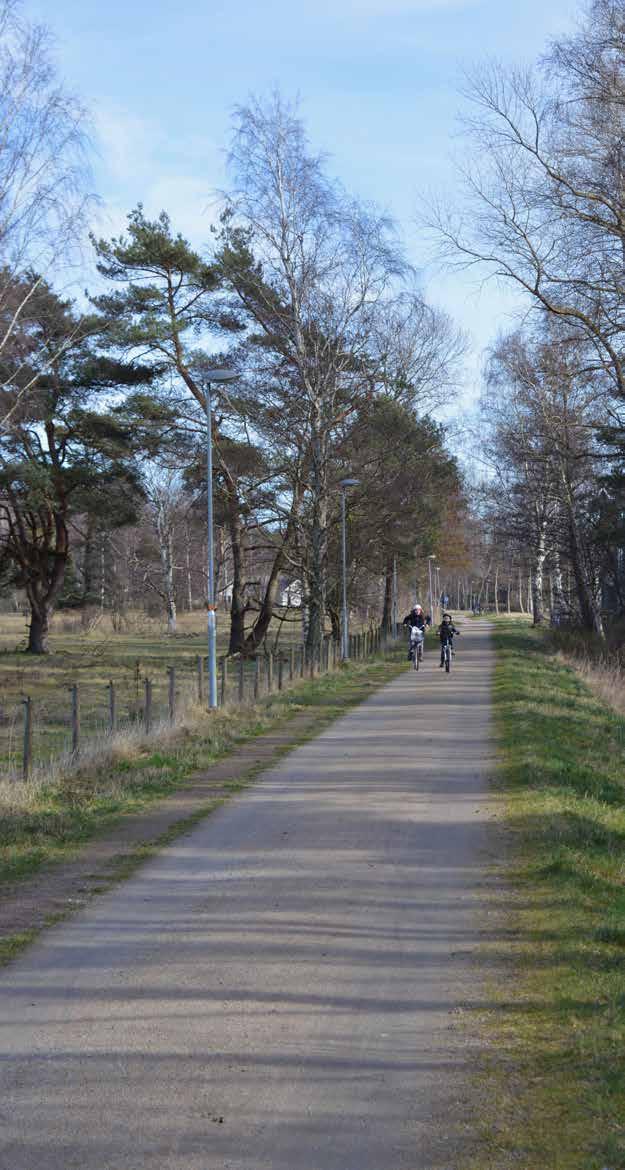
x,y
187,539
559,611
167,563
39,627
87,564
589,609
497,590
102,571
521,606
237,608
268,604
318,539
43,592
387,608
540,553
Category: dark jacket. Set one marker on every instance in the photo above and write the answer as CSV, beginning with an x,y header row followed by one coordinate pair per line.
x,y
446,631
416,619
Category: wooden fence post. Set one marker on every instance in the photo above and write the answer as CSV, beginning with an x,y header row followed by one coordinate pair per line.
x,y
280,671
112,711
200,678
75,719
147,710
256,677
270,672
291,663
224,681
171,692
302,663
28,737
241,679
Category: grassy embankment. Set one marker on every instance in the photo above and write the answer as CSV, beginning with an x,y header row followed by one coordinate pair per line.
x,y
556,1085
43,823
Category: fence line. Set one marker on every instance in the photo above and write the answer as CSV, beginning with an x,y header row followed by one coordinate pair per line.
x,y
252,679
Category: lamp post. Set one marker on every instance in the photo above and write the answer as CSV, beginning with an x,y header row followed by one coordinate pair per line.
x,y
394,615
218,376
437,581
344,484
430,559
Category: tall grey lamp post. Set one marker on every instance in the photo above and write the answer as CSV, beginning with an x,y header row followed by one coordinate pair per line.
x,y
344,484
430,559
220,375
394,616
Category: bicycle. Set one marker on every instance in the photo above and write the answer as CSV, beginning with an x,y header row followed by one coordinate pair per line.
x,y
447,655
417,637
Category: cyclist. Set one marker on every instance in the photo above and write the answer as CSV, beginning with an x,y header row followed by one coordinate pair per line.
x,y
446,632
417,618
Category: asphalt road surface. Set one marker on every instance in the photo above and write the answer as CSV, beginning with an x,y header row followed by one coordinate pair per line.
x,y
294,984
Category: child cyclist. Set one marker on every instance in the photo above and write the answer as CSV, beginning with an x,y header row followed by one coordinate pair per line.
x,y
446,632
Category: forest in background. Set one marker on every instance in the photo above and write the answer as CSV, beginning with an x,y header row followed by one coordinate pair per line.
x,y
342,370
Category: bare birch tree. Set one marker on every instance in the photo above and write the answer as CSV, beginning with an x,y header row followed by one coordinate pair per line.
x,y
541,413
44,177
311,266
164,496
545,200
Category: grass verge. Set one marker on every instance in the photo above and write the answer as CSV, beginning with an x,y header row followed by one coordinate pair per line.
x,y
48,823
555,1095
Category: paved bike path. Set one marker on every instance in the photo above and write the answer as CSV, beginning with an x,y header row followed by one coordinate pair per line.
x,y
287,987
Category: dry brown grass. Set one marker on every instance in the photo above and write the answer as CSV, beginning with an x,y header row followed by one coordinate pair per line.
x,y
601,665
605,680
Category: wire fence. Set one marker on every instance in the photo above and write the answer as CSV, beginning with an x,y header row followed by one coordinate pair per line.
x,y
44,732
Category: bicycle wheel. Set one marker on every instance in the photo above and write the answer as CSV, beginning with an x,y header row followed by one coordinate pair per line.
x,y
447,659
417,656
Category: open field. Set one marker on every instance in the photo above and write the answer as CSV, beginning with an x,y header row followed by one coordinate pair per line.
x,y
556,1081
91,658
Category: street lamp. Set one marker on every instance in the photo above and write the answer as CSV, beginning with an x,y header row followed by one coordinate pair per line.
x,y
430,559
394,614
344,484
217,376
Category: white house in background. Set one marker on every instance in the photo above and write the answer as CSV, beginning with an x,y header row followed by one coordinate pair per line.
x,y
291,594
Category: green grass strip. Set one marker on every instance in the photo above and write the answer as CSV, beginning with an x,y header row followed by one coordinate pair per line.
x,y
82,805
555,1096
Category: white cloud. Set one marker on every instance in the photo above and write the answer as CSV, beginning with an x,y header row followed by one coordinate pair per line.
x,y
139,162
123,140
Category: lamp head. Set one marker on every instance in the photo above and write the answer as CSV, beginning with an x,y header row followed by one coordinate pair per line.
x,y
347,483
221,375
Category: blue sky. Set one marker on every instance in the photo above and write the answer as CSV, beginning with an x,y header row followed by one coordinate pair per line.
x,y
378,80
